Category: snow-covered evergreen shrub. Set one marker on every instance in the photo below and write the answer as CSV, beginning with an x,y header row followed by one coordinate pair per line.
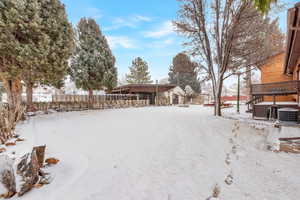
x,y
7,177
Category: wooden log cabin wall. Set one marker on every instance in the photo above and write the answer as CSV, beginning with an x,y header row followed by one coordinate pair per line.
x,y
271,72
280,81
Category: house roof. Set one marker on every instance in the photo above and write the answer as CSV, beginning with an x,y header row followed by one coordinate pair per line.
x,y
293,39
143,88
178,90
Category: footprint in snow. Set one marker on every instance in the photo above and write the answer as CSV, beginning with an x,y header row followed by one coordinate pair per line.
x,y
228,160
229,179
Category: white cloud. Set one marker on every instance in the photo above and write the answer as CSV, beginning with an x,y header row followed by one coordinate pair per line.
x,y
161,43
165,29
168,41
130,22
97,16
121,41
94,13
140,18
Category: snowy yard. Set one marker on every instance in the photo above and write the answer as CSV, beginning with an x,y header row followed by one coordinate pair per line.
x,y
165,153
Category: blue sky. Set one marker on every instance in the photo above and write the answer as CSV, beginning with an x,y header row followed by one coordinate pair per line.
x,y
138,28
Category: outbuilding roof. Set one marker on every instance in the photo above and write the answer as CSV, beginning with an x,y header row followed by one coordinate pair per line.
x,y
143,88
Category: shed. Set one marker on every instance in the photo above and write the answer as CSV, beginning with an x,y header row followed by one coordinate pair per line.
x,y
144,91
176,95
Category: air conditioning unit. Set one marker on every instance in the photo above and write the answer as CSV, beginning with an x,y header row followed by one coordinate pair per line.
x,y
288,114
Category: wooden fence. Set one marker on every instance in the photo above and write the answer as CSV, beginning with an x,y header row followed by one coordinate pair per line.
x,y
162,101
94,98
83,105
64,103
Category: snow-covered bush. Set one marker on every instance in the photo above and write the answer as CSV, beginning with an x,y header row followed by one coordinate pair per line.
x,y
8,121
7,177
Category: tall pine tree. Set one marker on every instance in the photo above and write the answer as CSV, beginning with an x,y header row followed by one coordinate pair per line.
x,y
56,48
93,64
139,73
264,5
110,78
183,72
13,48
36,43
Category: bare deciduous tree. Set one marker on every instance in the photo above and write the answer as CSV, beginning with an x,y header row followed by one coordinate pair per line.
x,y
227,35
272,43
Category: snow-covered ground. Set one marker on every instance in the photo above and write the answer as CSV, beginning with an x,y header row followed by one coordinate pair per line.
x,y
163,153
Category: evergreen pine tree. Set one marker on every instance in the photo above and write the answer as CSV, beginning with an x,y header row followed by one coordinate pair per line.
x,y
264,5
17,20
93,64
139,73
183,72
56,47
36,42
110,78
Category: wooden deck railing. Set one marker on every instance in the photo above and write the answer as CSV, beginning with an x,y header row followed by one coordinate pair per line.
x,y
276,88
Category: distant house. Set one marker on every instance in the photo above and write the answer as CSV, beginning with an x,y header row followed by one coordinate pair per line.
x,y
280,83
174,94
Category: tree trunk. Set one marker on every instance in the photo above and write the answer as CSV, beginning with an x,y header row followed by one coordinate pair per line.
x,y
90,98
248,82
29,168
13,90
218,102
29,94
218,105
14,112
108,91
